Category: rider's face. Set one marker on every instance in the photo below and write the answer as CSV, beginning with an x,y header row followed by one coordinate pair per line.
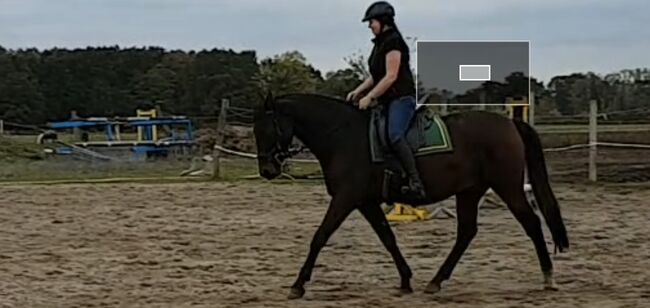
x,y
375,26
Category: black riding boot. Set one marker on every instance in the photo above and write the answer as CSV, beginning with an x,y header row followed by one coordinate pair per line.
x,y
406,157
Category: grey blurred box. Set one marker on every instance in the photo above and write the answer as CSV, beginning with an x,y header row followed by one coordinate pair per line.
x,y
459,68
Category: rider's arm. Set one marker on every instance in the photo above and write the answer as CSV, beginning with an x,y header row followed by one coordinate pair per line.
x,y
365,85
393,59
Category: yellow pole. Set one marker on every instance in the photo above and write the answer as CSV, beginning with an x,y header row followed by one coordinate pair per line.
x,y
152,114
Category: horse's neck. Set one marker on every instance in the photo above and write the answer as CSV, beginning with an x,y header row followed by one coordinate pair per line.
x,y
325,127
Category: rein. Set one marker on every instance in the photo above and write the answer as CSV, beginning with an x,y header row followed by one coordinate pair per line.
x,y
278,153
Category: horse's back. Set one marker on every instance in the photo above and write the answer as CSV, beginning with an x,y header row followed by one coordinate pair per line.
x,y
480,139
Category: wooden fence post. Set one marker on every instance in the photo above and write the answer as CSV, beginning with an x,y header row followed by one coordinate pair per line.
x,y
75,131
531,109
2,127
445,106
221,125
593,138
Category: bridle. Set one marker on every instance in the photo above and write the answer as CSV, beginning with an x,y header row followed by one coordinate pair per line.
x,y
277,152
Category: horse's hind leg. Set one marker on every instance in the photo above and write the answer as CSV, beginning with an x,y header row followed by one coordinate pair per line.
x,y
515,197
466,214
377,219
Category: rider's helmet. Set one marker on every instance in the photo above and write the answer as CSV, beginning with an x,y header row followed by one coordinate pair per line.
x,y
379,10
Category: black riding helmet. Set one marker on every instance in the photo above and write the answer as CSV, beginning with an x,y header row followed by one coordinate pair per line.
x,y
379,10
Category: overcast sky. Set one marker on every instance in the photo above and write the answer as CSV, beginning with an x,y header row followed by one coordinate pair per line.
x,y
566,35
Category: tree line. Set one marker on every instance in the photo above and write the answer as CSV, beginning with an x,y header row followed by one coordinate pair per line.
x,y
37,86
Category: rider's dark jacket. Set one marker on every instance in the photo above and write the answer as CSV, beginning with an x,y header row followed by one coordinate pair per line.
x,y
385,42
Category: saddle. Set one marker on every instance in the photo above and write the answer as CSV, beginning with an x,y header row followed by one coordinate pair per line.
x,y
426,135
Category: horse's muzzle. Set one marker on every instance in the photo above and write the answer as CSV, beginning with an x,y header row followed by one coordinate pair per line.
x,y
269,171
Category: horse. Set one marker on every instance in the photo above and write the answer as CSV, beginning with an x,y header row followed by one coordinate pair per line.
x,y
490,151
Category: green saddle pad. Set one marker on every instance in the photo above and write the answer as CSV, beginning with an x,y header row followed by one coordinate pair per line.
x,y
435,138
427,135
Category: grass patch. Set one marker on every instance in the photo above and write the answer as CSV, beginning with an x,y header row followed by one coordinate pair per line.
x,y
25,162
17,149
233,169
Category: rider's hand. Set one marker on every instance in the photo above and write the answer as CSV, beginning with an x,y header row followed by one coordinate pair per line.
x,y
352,96
365,102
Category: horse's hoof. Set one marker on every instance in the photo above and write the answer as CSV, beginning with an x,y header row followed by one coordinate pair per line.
x,y
549,282
551,287
432,288
296,293
405,290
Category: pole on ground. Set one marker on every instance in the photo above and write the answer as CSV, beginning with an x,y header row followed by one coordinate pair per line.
x,y
221,125
2,127
593,138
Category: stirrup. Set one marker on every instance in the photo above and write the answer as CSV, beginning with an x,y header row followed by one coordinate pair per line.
x,y
414,189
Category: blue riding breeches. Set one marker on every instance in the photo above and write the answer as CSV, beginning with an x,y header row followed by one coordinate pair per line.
x,y
400,114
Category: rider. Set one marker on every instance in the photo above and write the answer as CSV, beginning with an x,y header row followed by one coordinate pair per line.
x,y
391,83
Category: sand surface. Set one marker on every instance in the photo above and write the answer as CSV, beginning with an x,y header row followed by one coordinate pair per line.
x,y
241,245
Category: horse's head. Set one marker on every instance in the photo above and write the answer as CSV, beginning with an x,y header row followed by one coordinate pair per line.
x,y
273,135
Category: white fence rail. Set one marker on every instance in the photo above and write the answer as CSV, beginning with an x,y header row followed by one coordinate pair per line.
x,y
592,129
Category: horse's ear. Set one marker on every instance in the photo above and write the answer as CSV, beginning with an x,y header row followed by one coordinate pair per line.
x,y
260,102
268,101
260,96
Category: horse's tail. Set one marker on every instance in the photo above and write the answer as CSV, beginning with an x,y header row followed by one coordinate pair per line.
x,y
539,180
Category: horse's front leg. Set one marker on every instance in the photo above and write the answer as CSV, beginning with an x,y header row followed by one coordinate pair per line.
x,y
340,207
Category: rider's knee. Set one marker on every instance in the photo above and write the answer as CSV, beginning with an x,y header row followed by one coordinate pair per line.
x,y
394,137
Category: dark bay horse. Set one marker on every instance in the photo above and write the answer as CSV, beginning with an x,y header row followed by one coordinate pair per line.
x,y
490,151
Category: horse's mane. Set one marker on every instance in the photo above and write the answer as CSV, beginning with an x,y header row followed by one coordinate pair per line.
x,y
314,95
331,103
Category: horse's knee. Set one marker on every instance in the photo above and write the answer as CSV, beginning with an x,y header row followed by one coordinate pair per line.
x,y
467,232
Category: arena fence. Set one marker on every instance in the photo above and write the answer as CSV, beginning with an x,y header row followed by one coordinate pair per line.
x,y
235,115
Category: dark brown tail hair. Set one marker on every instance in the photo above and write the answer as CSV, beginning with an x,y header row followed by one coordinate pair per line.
x,y
539,179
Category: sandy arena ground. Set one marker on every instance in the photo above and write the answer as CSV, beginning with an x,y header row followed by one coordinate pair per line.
x,y
241,245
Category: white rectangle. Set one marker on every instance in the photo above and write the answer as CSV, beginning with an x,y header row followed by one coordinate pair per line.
x,y
473,72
